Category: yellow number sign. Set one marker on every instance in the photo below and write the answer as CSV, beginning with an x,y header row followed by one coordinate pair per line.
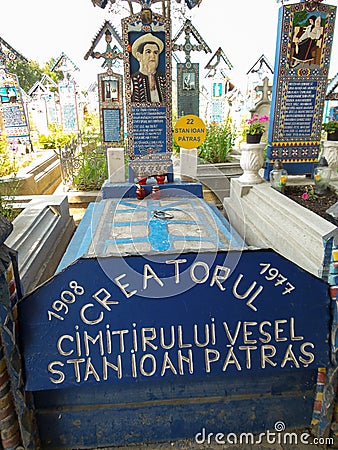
x,y
189,131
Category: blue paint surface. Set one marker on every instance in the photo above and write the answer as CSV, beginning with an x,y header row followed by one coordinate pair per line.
x,y
158,235
121,190
166,316
103,217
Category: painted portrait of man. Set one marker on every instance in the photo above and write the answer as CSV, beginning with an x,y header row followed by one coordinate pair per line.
x,y
148,84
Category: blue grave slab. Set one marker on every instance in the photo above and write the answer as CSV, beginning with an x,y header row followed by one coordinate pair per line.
x,y
162,346
127,226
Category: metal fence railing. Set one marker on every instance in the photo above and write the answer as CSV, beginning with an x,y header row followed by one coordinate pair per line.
x,y
83,167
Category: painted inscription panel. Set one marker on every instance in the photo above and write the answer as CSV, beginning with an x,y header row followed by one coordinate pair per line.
x,y
303,52
117,320
69,116
13,111
111,125
188,89
149,130
111,108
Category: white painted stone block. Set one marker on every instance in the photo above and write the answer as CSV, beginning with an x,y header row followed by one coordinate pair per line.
x,y
188,164
116,167
330,152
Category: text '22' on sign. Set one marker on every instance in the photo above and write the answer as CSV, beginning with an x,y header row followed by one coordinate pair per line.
x,y
190,131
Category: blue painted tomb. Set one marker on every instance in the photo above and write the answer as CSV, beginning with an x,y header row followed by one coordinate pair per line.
x,y
160,322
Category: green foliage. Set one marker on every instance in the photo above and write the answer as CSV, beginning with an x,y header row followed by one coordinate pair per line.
x,y
219,142
8,165
299,18
7,194
331,126
3,144
10,162
55,76
92,171
56,138
28,73
90,131
175,146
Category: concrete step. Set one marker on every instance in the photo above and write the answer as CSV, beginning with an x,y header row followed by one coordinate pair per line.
x,y
40,235
229,169
265,217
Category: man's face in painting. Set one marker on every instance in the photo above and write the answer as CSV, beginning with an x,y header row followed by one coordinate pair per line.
x,y
149,58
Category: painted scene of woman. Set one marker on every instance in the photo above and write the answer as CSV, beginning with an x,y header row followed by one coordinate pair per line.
x,y
307,42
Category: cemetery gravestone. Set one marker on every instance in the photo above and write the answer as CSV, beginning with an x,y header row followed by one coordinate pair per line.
x,y
188,85
304,44
221,85
14,118
43,108
256,75
13,111
68,105
107,329
147,68
110,86
67,94
111,108
262,107
129,341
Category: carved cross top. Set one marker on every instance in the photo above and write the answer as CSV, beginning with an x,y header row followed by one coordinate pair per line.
x,y
214,63
64,64
265,89
8,53
188,47
111,54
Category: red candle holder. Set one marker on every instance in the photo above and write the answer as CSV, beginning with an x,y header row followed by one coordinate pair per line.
x,y
160,179
142,180
155,193
140,192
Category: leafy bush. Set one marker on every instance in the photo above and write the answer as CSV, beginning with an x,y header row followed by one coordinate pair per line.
x,y
3,143
7,165
331,126
7,194
219,142
92,171
56,138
